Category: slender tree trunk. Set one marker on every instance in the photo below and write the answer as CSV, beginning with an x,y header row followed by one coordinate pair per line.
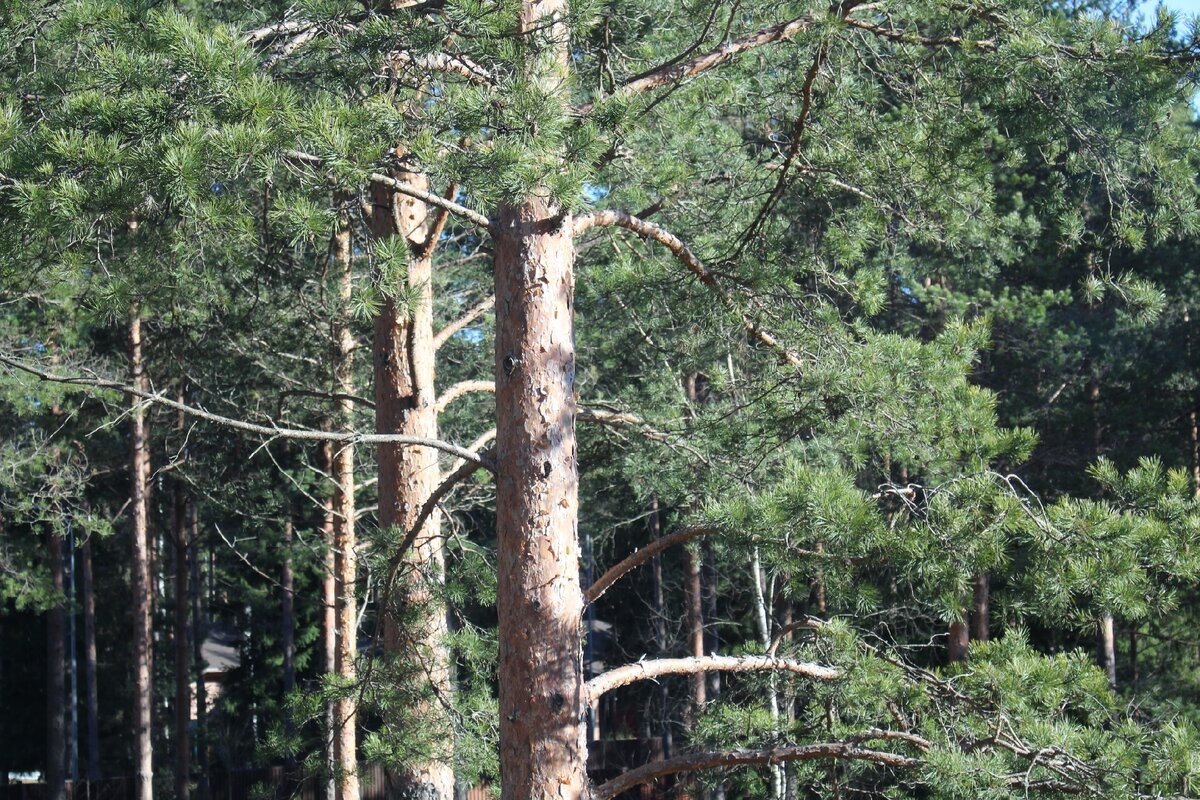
x,y
143,622
288,614
1193,420
183,678
406,402
693,592
712,641
1108,648
56,670
543,749
198,634
345,558
762,622
329,626
981,612
91,695
1133,658
660,630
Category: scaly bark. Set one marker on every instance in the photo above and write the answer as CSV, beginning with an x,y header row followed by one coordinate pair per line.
x,y
345,557
543,748
143,652
406,402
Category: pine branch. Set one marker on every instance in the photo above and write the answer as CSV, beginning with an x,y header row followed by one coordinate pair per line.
x,y
637,559
434,200
649,670
269,431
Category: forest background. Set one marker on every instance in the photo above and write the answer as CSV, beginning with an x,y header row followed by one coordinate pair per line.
x,y
887,396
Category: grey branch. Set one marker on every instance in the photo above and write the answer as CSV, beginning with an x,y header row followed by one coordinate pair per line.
x,y
690,762
463,388
649,670
270,431
434,200
653,232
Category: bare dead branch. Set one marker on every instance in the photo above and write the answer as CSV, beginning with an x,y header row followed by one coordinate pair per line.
x,y
434,200
439,224
442,336
269,431
637,559
463,388
690,762
649,670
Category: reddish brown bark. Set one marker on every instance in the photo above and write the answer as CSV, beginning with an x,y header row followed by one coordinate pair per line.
x,y
406,402
345,558
140,584
542,733
329,625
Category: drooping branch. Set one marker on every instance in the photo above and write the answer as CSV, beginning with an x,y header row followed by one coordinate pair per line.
x,y
269,431
649,670
434,200
442,336
463,388
637,559
905,37
691,762
649,230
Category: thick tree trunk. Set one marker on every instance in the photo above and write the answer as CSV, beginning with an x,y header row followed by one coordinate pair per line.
x,y
543,750
143,644
91,695
198,633
329,626
406,402
345,558
56,670
183,678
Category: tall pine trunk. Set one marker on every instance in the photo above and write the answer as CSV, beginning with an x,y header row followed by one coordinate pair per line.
x,y
543,750
345,558
288,614
143,645
91,694
406,402
329,625
543,735
183,678
56,669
